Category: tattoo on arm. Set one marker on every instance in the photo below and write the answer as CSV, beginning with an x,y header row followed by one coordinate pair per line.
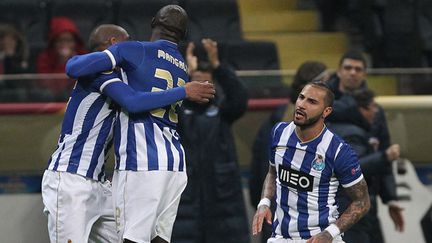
x,y
358,208
269,188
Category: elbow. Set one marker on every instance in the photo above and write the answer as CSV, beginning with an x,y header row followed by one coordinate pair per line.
x,y
72,69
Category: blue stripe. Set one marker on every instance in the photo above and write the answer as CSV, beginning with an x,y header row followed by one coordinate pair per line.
x,y
302,203
77,95
88,124
169,154
131,154
177,145
100,144
287,158
117,137
58,158
152,152
325,183
274,226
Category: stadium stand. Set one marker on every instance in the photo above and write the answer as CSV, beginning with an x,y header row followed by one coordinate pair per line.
x,y
216,19
135,16
86,14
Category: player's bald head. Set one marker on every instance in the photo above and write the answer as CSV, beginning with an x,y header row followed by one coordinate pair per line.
x,y
102,36
171,20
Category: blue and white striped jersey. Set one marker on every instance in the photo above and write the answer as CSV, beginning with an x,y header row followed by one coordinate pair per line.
x,y
149,140
86,132
308,177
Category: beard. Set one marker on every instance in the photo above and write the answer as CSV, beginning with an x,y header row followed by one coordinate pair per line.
x,y
308,122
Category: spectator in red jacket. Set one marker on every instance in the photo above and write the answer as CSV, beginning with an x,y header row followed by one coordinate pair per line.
x,y
64,41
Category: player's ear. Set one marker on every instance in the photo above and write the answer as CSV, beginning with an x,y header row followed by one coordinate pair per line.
x,y
327,111
153,21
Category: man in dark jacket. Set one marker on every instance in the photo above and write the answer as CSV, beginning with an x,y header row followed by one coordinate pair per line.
x,y
212,208
350,77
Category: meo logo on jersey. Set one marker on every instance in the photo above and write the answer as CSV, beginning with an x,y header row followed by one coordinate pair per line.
x,y
295,179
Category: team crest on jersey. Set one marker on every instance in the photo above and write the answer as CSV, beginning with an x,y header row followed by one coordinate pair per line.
x,y
318,163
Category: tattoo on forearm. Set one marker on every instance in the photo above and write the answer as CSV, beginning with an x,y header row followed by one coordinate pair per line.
x,y
269,188
358,208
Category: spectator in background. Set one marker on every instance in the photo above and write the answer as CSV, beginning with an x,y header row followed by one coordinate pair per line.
x,y
307,72
13,51
350,77
64,41
212,208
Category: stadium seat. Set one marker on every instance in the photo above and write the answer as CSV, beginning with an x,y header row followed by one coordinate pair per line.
x,y
252,55
216,19
86,14
136,15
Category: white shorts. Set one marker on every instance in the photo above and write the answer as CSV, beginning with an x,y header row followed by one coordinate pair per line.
x,y
79,209
280,239
146,203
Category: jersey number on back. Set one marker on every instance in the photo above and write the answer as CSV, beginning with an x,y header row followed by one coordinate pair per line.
x,y
160,113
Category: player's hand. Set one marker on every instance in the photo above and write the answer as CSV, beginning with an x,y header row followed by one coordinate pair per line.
x,y
396,215
212,52
262,213
323,237
191,59
393,152
200,92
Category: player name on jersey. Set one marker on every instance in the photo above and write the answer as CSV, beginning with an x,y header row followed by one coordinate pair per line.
x,y
173,60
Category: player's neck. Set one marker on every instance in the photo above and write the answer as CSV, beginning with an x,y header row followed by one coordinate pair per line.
x,y
306,134
157,34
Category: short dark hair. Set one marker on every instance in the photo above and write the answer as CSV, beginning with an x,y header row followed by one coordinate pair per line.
x,y
355,55
306,73
364,97
329,98
172,21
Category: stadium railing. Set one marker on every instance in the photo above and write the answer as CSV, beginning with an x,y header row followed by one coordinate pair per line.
x,y
30,124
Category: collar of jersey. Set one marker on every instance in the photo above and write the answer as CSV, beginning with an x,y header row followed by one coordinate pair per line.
x,y
310,140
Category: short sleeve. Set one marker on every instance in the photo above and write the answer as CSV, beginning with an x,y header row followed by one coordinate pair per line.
x,y
127,55
347,166
273,143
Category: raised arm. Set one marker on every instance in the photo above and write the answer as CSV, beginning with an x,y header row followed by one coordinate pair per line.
x,y
263,209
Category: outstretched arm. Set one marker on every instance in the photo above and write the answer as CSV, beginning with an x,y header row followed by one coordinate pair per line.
x,y
127,55
135,102
263,211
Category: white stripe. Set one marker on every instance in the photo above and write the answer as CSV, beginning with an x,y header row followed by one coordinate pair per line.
x,y
124,76
161,149
111,57
89,145
141,146
296,164
102,87
279,212
353,182
124,121
333,188
175,152
337,151
82,111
